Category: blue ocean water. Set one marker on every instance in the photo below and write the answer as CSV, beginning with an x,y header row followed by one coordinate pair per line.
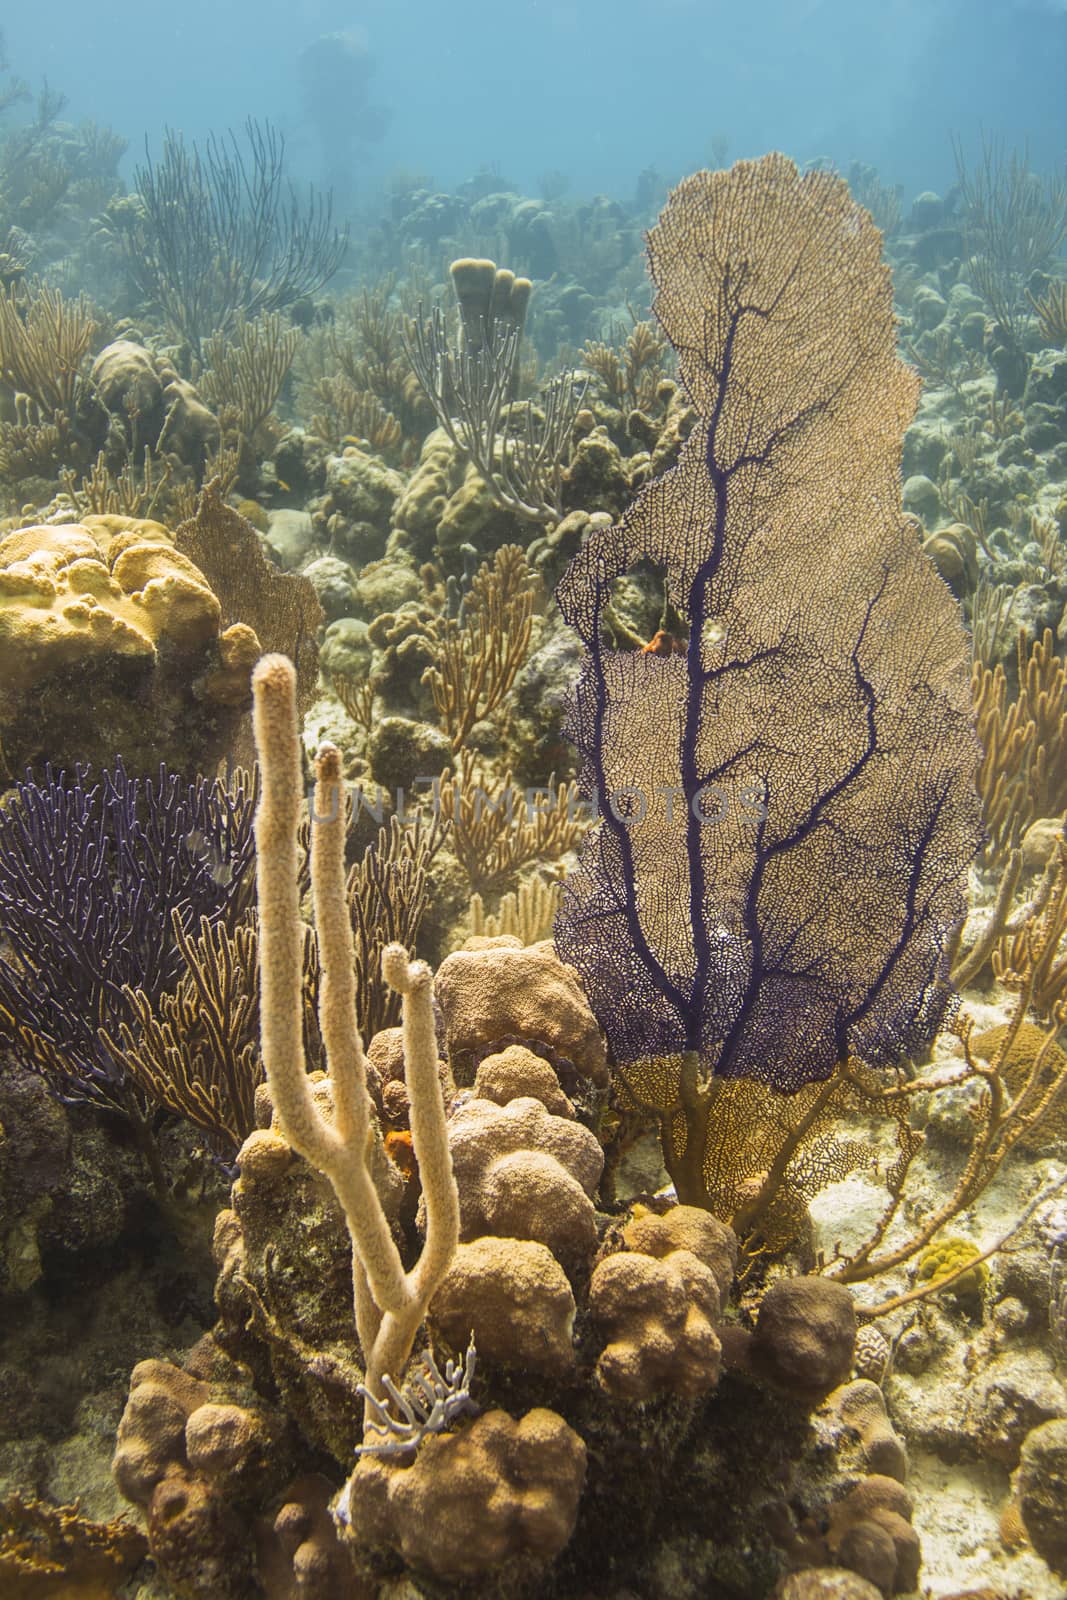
x,y
596,90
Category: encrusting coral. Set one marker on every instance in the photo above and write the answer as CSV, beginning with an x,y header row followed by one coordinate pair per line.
x,y
51,1552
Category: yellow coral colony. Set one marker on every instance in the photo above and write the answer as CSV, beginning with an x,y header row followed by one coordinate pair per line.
x,y
109,586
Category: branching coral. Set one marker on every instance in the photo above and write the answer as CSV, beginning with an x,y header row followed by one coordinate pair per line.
x,y
471,386
1031,958
31,445
496,830
1051,311
478,655
195,1049
217,235
389,1301
1014,225
527,913
1023,771
96,884
1007,1106
355,369
349,413
357,700
387,897
762,1157
247,367
631,375
43,341
134,491
428,1402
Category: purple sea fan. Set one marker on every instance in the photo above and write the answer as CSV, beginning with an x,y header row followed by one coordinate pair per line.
x,y
90,877
787,809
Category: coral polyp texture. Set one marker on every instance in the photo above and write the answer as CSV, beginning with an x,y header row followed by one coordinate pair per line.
x,y
787,806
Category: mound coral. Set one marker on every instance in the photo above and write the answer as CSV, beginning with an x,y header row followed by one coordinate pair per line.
x,y
110,640
499,1490
498,989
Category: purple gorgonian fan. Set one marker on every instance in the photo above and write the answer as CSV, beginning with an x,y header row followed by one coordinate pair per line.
x,y
90,876
787,806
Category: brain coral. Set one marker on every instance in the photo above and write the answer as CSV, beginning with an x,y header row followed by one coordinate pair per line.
x,y
111,642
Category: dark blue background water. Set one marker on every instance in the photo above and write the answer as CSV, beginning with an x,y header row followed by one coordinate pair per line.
x,y
598,89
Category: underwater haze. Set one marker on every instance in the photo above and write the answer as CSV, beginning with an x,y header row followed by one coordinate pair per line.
x,y
597,90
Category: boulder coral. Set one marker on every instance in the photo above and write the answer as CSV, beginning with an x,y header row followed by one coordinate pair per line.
x,y
524,1173
498,1490
110,639
658,1301
1041,1492
130,381
860,1407
565,1347
496,991
870,1533
195,1466
805,1336
513,1295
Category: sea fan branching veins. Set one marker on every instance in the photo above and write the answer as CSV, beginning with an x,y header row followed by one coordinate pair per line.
x,y
787,809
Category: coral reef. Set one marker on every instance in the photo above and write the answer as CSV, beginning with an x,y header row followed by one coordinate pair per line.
x,y
714,1248
626,1312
